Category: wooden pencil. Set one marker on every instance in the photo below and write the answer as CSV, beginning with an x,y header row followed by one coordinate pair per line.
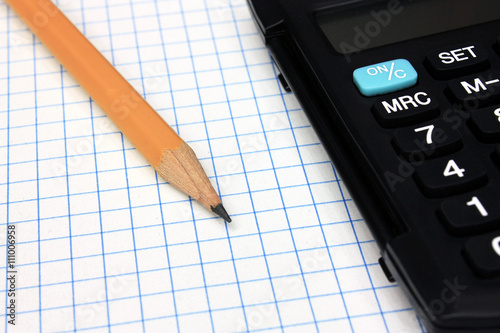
x,y
171,157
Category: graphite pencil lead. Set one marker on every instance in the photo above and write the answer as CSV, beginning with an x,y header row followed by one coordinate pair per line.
x,y
219,210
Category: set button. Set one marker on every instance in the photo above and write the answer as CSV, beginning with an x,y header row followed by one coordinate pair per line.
x,y
458,60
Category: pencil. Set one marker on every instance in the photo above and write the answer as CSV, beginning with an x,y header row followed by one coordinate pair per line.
x,y
170,156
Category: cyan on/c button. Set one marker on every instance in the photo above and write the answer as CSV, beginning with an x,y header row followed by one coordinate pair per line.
x,y
385,77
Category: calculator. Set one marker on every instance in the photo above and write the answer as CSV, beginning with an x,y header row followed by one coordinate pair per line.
x,y
405,97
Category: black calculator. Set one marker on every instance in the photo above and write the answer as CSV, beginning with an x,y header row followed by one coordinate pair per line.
x,y
405,96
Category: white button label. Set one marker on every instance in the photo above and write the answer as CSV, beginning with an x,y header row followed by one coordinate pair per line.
x,y
405,102
496,244
457,55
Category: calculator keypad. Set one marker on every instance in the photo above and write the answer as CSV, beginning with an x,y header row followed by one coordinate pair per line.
x,y
447,169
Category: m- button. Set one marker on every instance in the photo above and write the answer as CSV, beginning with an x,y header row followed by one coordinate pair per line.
x,y
476,91
456,60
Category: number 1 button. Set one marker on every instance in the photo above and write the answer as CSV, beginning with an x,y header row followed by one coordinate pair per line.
x,y
385,77
472,212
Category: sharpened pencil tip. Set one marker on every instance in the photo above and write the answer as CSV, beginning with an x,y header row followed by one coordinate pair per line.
x,y
219,210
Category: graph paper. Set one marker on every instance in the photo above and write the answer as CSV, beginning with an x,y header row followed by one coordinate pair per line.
x,y
102,244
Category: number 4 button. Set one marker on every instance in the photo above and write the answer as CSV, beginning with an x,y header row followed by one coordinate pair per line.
x,y
451,175
473,212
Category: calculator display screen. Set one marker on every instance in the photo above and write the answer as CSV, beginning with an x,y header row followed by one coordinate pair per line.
x,y
392,21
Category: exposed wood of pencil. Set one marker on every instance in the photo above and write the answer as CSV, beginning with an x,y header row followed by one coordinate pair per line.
x,y
148,132
179,161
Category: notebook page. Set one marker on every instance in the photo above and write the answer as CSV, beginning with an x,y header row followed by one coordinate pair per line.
x,y
102,244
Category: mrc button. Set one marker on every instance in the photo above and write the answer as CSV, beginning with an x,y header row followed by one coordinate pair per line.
x,y
458,60
405,108
385,77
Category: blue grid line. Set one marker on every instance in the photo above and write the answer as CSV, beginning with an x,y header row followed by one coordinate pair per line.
x,y
251,200
153,205
105,51
179,222
24,92
255,305
218,285
122,19
363,256
213,286
118,65
147,166
176,126
120,5
144,62
159,109
250,306
77,24
317,213
211,154
206,263
131,33
128,188
201,241
143,166
276,177
86,136
67,11
105,277
197,242
7,198
68,203
173,291
226,226
38,195
223,309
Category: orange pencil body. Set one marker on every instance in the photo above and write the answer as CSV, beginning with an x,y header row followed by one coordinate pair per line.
x,y
171,157
140,123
